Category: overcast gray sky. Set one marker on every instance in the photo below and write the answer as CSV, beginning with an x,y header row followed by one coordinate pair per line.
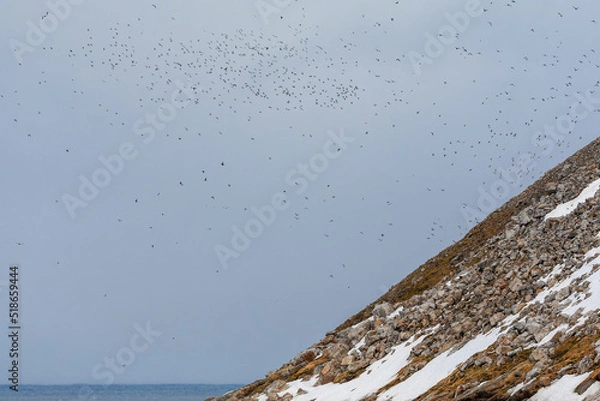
x,y
265,88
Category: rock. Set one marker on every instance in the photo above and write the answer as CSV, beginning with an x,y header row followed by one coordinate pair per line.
x,y
563,293
587,383
518,307
551,187
338,350
523,217
382,310
545,381
566,370
515,285
514,352
541,334
347,360
585,364
324,379
273,397
496,318
519,327
467,364
534,372
509,233
285,373
538,354
461,388
358,365
483,360
533,327
550,297
405,335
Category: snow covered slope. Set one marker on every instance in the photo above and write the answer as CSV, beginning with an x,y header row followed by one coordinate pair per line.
x,y
515,315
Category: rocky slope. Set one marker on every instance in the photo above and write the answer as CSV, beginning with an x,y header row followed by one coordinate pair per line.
x,y
510,312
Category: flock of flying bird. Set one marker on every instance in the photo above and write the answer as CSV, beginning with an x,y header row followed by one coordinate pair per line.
x,y
245,73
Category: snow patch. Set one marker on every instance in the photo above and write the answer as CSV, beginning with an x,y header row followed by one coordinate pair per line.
x,y
592,300
375,377
549,336
591,303
363,322
566,208
564,388
438,369
516,388
356,348
396,313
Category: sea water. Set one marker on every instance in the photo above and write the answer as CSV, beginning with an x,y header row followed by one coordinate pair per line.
x,y
116,392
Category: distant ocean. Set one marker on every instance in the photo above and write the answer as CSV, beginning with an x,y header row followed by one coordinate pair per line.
x,y
116,392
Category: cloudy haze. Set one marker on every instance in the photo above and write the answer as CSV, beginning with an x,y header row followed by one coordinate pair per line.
x,y
255,100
